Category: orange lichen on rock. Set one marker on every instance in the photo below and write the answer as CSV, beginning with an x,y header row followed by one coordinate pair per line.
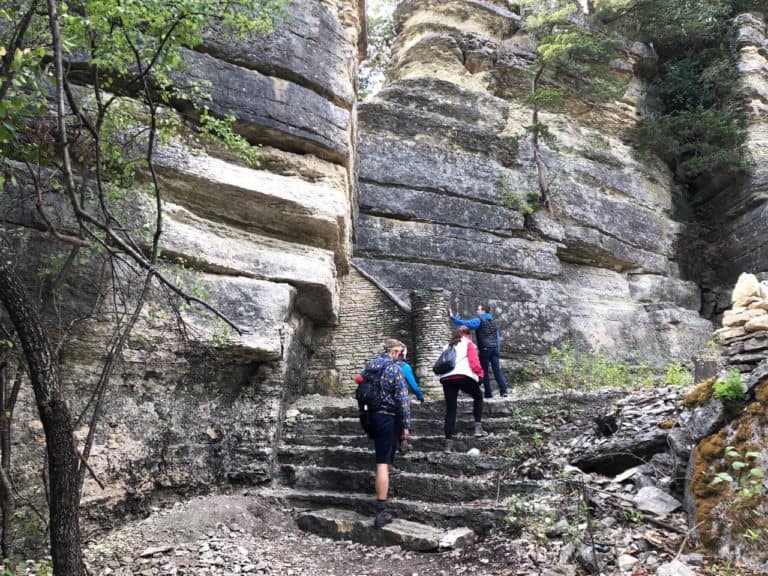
x,y
761,392
668,423
699,395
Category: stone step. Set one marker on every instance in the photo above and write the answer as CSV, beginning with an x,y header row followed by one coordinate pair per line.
x,y
420,425
424,487
522,408
462,443
455,464
481,515
348,525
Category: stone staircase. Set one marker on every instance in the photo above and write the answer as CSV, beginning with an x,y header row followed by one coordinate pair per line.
x,y
326,466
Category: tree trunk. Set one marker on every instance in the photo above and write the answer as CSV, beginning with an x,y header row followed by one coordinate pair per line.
x,y
63,460
6,490
541,167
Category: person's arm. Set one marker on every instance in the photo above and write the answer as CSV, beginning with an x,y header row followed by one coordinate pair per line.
x,y
472,324
402,399
474,359
411,379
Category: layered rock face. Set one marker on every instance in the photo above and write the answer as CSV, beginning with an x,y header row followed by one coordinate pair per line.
x,y
436,161
266,246
739,212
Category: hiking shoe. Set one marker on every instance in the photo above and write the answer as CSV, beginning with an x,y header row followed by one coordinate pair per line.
x,y
488,395
449,444
394,470
404,447
505,395
479,430
382,519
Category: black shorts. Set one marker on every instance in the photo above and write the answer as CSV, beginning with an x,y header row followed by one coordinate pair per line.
x,y
384,437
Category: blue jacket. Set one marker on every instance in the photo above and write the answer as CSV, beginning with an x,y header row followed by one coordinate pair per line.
x,y
411,379
474,324
393,388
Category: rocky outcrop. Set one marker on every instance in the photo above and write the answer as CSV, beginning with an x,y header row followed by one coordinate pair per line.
x,y
267,246
739,211
437,166
726,484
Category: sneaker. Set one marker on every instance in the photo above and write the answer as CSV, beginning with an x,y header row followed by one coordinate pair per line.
x,y
505,395
449,444
394,470
404,447
489,395
382,519
479,430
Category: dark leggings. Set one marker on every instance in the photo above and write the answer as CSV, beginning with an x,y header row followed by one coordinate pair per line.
x,y
451,389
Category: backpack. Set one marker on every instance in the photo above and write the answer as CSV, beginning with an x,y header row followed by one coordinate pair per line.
x,y
446,362
368,393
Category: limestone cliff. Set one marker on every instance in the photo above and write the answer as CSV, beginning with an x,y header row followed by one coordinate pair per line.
x,y
738,212
266,246
435,161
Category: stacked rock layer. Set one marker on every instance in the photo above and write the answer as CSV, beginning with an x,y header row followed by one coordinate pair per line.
x,y
437,161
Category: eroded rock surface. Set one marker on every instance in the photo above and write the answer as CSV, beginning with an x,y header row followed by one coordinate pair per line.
x,y
436,164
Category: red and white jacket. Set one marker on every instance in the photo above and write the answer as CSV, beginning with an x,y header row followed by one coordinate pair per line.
x,y
467,361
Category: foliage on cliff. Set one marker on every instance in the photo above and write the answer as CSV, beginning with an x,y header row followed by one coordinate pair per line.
x,y
75,142
695,124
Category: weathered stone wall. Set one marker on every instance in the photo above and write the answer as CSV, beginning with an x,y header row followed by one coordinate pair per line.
x,y
435,157
269,246
367,317
738,213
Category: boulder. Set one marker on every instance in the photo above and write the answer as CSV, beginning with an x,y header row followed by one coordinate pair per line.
x,y
732,319
675,568
757,323
651,499
347,525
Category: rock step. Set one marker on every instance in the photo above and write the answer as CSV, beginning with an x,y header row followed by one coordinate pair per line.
x,y
462,443
481,515
347,525
425,487
455,464
523,408
420,425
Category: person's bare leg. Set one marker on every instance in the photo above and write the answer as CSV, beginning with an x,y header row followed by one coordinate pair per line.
x,y
382,481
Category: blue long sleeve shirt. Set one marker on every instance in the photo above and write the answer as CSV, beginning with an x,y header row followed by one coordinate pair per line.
x,y
474,324
411,379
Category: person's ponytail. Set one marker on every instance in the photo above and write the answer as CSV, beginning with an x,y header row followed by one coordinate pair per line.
x,y
458,335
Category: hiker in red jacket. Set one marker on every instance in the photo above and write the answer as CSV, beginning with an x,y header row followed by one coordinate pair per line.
x,y
465,376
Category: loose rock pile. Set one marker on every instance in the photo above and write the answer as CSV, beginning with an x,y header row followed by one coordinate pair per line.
x,y
744,335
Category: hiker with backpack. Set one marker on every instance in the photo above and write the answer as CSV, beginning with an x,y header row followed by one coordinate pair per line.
x,y
385,413
465,376
489,342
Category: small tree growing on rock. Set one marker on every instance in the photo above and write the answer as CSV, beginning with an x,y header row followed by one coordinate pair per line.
x,y
63,57
572,57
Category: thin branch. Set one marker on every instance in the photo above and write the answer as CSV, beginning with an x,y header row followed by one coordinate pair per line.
x,y
6,73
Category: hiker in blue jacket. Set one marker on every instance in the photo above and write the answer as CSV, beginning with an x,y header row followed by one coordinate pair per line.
x,y
488,342
410,378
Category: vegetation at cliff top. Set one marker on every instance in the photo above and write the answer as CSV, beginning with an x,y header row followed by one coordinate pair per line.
x,y
694,123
